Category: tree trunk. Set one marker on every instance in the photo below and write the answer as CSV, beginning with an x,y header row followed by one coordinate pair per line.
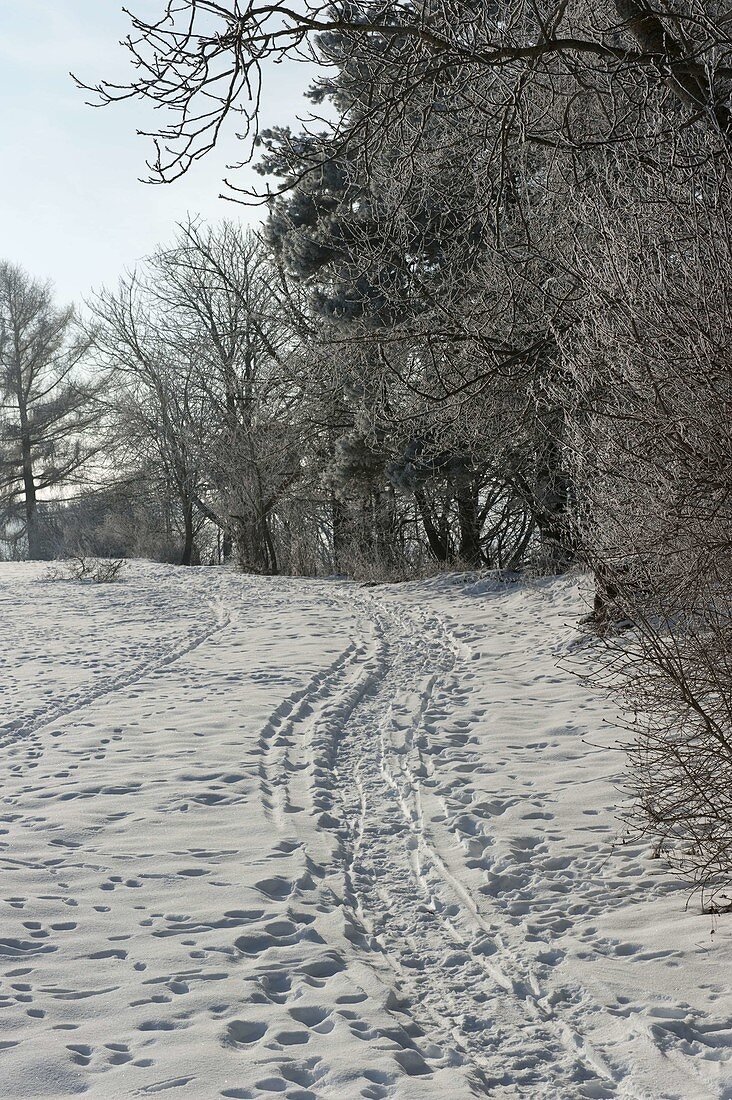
x,y
187,555
33,535
340,535
384,525
251,549
272,564
551,493
437,543
654,35
467,502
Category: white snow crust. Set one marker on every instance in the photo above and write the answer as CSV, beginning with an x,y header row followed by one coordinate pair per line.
x,y
265,837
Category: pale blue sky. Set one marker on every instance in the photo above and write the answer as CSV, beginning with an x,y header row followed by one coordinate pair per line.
x,y
71,206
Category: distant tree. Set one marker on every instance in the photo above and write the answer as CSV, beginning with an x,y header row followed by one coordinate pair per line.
x,y
46,408
153,415
198,352
221,301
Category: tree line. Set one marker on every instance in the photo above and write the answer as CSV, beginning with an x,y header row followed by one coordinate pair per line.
x,y
485,324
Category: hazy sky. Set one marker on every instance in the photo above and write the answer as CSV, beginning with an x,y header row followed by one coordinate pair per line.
x,y
71,206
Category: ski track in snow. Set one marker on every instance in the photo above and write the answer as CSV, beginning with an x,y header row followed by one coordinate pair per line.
x,y
363,745
152,663
270,855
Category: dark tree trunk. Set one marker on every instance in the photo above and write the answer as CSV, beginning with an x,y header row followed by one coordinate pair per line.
x,y
33,534
604,595
340,533
250,543
384,525
187,555
656,35
469,521
438,544
272,564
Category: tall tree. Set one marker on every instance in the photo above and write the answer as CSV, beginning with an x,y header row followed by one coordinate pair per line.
x,y
46,412
437,285
154,416
199,351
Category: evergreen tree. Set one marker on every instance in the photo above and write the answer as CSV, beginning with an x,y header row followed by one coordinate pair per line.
x,y
46,412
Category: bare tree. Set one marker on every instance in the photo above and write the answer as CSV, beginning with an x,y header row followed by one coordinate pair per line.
x,y
221,288
201,61
200,353
154,416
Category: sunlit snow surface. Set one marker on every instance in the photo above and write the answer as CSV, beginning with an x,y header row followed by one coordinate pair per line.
x,y
265,837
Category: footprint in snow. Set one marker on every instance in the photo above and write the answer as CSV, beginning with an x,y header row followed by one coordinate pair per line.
x,y
244,1032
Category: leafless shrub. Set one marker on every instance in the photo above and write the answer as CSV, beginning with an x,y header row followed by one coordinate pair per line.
x,y
672,674
88,570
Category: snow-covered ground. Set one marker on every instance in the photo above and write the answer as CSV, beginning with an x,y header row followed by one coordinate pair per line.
x,y
266,837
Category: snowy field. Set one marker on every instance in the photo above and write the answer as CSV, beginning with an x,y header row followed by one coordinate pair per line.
x,y
266,837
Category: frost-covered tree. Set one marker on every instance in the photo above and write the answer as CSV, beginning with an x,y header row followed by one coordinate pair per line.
x,y
432,287
46,408
476,272
202,62
651,442
153,418
217,288
204,382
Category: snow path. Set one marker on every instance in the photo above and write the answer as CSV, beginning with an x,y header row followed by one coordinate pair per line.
x,y
274,837
365,752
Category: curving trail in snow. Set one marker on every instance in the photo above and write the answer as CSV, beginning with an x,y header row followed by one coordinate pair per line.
x,y
267,837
